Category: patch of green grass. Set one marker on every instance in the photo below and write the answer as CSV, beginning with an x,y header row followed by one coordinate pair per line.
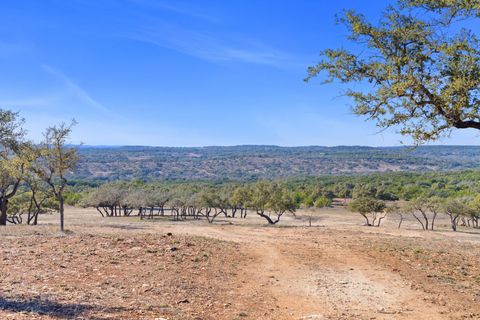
x,y
446,279
418,251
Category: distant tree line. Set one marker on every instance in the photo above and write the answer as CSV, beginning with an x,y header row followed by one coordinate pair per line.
x,y
252,163
394,186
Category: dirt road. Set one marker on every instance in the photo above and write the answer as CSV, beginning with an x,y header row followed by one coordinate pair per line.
x,y
321,278
336,270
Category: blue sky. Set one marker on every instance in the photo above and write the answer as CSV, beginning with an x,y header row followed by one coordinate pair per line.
x,y
182,73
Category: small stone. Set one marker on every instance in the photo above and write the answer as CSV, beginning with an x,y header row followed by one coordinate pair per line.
x,y
183,301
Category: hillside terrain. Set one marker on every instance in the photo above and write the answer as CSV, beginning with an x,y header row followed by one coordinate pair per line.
x,y
246,163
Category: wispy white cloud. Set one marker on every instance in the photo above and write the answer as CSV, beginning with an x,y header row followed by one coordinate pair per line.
x,y
75,89
205,36
204,46
176,8
32,102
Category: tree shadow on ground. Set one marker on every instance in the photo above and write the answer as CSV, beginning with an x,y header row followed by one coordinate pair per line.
x,y
127,227
466,231
55,309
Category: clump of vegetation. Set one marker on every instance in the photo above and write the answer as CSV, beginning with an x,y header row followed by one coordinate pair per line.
x,y
425,210
33,176
372,210
270,200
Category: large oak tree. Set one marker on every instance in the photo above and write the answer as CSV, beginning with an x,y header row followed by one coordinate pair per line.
x,y
419,67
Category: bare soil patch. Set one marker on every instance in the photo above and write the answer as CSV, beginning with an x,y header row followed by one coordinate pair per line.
x,y
117,277
123,268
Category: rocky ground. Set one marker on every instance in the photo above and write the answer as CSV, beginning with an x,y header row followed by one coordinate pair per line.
x,y
123,268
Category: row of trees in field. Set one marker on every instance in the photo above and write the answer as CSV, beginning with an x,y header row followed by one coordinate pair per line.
x,y
32,176
269,200
425,210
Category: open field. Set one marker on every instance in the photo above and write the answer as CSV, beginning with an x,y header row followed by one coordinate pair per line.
x,y
124,268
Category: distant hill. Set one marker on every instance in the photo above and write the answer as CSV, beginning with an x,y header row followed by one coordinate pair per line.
x,y
265,162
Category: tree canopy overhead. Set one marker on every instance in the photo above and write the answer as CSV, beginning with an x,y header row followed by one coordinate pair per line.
x,y
12,133
450,8
421,67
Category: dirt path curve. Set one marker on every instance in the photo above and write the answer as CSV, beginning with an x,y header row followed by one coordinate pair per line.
x,y
303,274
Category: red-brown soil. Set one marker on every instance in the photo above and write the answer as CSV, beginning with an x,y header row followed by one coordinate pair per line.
x,y
123,268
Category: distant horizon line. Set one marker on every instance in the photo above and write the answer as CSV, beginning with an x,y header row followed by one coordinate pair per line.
x,y
268,145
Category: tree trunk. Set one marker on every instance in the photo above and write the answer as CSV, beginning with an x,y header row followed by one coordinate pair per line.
x,y
433,220
366,219
380,219
426,222
374,218
454,222
3,212
419,221
267,217
35,220
61,210
98,209
400,222
4,202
